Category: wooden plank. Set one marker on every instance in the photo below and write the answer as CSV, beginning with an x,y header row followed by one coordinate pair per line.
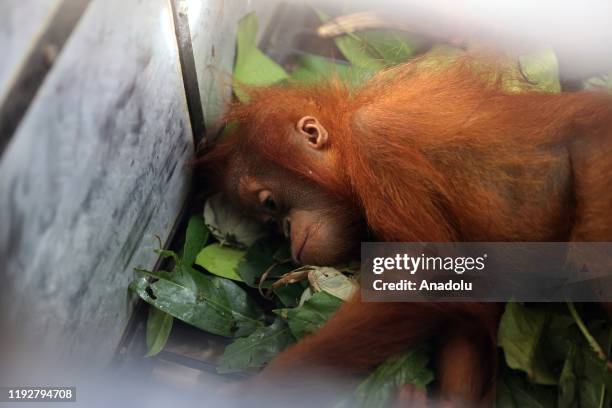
x,y
30,62
21,24
97,168
213,26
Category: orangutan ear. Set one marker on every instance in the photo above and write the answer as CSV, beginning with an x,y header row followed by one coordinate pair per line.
x,y
313,131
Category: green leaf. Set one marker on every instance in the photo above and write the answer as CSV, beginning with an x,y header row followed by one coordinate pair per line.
x,y
166,253
391,47
312,68
561,332
515,391
584,379
259,258
410,367
213,304
519,335
568,382
230,226
289,295
309,317
582,384
159,325
542,70
253,67
356,50
221,261
373,50
195,238
257,349
283,252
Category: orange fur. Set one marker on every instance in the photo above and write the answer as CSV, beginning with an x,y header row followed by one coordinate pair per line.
x,y
436,154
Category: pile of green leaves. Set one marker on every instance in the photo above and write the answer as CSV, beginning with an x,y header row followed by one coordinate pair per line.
x,y
554,357
216,284
553,354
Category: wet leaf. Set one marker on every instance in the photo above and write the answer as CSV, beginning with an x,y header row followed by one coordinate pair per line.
x,y
229,226
410,367
253,67
213,304
221,260
309,317
519,335
257,349
159,326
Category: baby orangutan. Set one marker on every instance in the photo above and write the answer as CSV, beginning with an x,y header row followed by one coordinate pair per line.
x,y
415,154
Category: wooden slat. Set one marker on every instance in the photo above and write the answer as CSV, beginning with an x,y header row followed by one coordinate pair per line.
x,y
213,26
97,168
21,24
32,56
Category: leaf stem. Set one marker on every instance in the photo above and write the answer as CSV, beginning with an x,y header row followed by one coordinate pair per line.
x,y
588,336
602,397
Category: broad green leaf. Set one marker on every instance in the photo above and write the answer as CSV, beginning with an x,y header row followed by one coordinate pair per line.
x,y
229,226
309,317
221,260
313,68
374,50
253,67
195,238
259,258
213,304
332,281
410,367
159,326
585,381
356,50
519,335
390,47
515,391
561,332
257,349
289,295
542,70
568,382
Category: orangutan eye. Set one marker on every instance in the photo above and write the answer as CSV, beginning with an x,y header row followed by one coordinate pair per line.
x,y
267,202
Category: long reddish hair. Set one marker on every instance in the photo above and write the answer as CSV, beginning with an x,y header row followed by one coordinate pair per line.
x,y
434,115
